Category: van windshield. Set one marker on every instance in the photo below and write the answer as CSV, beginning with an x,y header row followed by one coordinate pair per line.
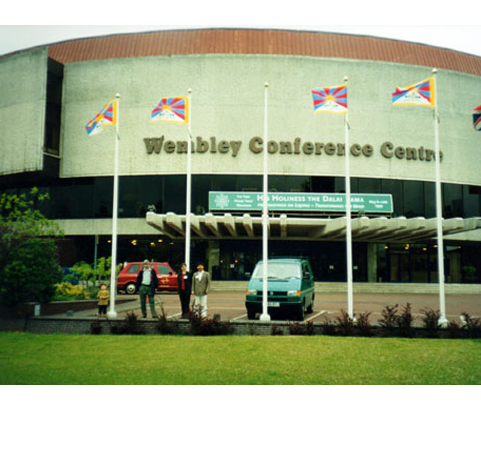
x,y
278,270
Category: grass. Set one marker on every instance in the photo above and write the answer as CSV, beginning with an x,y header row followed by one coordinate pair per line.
x,y
84,359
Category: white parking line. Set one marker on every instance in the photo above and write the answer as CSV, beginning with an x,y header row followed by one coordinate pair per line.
x,y
238,317
174,315
316,315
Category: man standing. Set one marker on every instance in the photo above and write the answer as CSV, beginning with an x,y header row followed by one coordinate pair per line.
x,y
147,283
200,288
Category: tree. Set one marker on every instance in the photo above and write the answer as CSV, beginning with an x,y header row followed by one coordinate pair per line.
x,y
28,260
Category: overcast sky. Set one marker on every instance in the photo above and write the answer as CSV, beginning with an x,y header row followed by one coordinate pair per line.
x,y
456,27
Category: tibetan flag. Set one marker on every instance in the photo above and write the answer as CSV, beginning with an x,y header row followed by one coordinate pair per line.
x,y
171,109
331,99
421,93
477,118
105,118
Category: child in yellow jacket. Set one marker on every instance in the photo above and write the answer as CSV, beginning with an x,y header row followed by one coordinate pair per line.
x,y
103,300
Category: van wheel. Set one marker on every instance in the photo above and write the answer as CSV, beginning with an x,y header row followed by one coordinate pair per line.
x,y
310,308
130,289
251,315
300,313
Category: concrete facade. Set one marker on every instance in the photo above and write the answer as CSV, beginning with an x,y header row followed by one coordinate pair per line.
x,y
227,105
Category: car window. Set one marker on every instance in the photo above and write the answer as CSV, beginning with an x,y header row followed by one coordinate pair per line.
x,y
134,268
280,270
163,270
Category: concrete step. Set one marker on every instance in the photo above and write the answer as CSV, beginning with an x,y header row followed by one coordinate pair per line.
x,y
380,288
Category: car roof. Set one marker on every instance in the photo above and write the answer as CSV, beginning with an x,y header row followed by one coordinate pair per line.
x,y
287,260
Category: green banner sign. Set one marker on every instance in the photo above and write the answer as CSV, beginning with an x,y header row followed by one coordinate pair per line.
x,y
289,201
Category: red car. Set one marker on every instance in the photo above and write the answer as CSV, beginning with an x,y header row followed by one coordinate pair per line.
x,y
128,276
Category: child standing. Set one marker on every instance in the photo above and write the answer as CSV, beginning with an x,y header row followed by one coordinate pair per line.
x,y
103,300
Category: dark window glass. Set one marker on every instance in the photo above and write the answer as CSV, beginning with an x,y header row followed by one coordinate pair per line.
x,y
249,183
452,200
277,183
200,194
134,268
394,187
369,186
323,184
429,199
161,270
413,195
102,200
174,194
471,201
298,184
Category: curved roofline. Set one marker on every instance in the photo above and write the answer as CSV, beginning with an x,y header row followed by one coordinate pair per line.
x,y
281,41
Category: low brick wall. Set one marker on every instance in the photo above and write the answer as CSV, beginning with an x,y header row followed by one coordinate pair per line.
x,y
69,325
48,309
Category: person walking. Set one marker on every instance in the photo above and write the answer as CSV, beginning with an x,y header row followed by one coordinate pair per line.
x,y
147,282
184,287
200,288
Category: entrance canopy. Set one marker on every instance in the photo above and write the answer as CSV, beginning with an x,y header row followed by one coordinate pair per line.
x,y
364,229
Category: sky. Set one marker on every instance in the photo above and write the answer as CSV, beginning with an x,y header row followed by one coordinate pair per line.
x,y
457,28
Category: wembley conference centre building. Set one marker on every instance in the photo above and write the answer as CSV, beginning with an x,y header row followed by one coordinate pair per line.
x,y
49,93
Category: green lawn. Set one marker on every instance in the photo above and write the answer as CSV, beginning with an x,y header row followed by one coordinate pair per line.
x,y
84,359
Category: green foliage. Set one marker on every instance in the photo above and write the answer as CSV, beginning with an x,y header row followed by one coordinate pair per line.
x,y
405,321
431,321
130,325
91,277
28,260
389,319
363,324
207,327
164,326
67,291
30,275
345,323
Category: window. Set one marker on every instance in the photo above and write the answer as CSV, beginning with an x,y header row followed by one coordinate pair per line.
x,y
163,270
134,268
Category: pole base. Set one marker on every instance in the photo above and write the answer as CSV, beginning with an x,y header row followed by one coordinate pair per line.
x,y
264,318
443,322
112,315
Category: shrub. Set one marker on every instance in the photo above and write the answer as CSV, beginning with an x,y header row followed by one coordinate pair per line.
x,y
329,328
129,326
31,274
164,326
389,319
405,321
472,326
454,329
207,327
310,328
276,331
297,329
345,323
363,324
431,321
66,291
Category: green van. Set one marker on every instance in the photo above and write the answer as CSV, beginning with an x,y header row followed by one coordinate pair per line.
x,y
290,286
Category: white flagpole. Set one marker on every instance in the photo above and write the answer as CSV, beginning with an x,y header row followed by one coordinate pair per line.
x,y
113,270
350,309
439,211
188,195
265,316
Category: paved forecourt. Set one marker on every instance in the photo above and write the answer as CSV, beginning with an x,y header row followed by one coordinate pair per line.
x,y
230,305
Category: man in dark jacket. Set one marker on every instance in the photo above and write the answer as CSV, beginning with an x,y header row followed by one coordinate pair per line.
x,y
147,283
184,287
